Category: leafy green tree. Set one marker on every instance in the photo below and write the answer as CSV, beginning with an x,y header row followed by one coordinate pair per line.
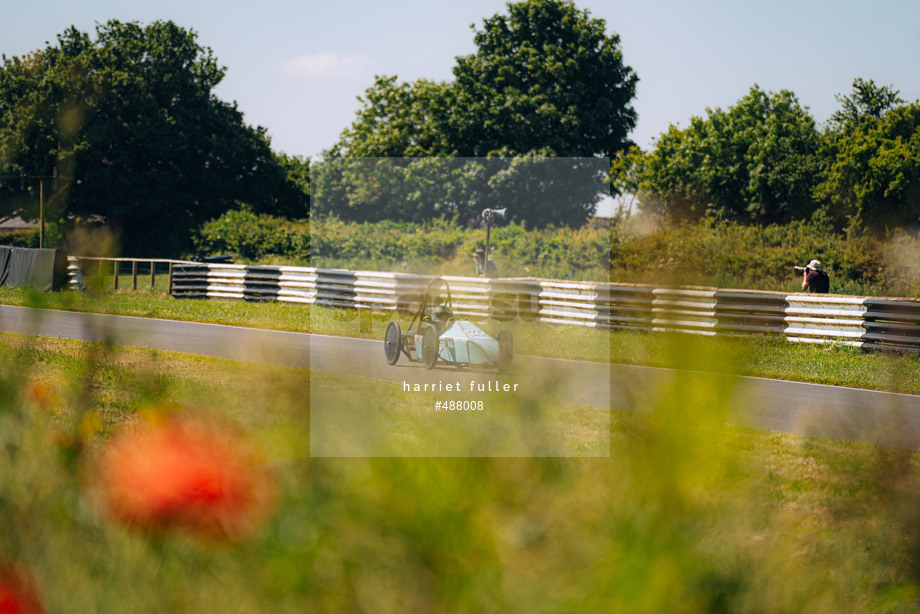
x,y
544,77
132,117
536,190
759,161
626,171
546,81
872,152
873,177
406,189
540,191
398,119
292,195
865,104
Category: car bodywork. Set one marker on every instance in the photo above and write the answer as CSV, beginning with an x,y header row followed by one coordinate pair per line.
x,y
435,337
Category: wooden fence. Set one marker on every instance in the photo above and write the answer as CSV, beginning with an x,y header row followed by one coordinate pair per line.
x,y
81,269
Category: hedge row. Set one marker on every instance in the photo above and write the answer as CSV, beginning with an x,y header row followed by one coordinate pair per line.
x,y
19,238
754,257
720,254
403,245
252,236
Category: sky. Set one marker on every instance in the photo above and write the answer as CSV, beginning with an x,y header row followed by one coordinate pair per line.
x,y
297,68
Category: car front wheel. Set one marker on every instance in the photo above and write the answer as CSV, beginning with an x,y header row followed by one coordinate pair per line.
x,y
392,342
430,347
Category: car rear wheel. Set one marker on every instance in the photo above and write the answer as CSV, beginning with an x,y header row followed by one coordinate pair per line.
x,y
430,347
505,350
392,342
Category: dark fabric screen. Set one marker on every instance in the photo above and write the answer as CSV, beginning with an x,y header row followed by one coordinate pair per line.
x,y
43,269
5,253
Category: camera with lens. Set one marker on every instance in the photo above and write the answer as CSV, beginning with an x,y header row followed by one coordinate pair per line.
x,y
800,270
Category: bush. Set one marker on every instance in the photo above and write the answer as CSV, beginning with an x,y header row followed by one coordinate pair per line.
x,y
251,236
19,238
731,255
708,253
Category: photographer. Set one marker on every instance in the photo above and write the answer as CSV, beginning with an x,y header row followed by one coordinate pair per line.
x,y
814,279
484,266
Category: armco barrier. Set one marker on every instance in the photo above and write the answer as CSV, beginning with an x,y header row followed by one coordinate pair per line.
x,y
250,283
584,303
627,307
750,312
812,317
889,323
684,309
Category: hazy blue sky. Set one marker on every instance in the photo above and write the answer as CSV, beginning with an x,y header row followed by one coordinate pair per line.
x,y
297,67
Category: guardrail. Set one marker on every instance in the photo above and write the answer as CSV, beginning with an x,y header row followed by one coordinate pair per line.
x,y
889,323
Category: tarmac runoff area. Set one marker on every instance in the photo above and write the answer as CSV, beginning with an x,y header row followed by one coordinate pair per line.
x,y
490,386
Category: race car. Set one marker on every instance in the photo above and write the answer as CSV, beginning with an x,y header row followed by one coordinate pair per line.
x,y
434,336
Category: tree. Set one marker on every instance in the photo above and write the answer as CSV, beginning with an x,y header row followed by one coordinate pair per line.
x,y
872,157
626,171
865,104
545,82
873,176
131,116
398,119
292,198
756,162
545,77
536,190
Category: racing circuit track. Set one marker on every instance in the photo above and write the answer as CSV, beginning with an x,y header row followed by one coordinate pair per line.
x,y
775,405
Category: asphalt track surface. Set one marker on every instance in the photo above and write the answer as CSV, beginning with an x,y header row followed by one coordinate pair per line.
x,y
792,407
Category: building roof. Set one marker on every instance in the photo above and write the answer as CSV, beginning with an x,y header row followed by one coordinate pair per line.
x,y
17,223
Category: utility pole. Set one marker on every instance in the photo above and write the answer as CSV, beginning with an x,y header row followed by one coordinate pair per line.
x,y
55,192
41,213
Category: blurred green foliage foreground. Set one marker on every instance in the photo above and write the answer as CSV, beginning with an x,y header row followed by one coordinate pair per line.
x,y
141,481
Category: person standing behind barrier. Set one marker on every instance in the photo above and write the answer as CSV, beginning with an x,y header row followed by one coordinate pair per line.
x,y
814,279
484,266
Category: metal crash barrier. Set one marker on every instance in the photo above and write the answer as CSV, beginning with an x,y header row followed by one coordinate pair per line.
x,y
877,323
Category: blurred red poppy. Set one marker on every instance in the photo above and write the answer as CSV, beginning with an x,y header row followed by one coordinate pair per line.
x,y
185,472
37,394
17,593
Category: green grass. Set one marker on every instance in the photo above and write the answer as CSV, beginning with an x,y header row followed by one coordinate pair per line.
x,y
148,304
688,514
773,357
364,417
